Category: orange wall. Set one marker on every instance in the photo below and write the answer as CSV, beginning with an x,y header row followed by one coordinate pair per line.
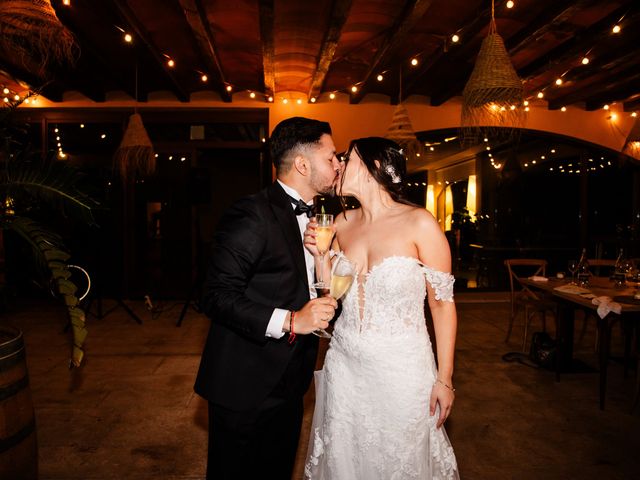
x,y
373,115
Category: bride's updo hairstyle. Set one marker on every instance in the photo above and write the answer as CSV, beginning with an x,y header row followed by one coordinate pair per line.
x,y
393,165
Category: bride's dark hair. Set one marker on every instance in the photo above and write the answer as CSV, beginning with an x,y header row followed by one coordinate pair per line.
x,y
393,164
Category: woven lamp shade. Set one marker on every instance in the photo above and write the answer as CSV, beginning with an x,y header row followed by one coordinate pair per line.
x,y
493,88
632,144
401,132
135,153
31,32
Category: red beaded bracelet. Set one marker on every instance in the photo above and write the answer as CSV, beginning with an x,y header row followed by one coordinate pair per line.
x,y
292,333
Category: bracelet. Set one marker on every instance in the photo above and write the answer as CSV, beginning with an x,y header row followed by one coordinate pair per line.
x,y
444,384
292,333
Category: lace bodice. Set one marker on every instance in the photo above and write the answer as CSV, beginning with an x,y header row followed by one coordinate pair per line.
x,y
393,289
372,417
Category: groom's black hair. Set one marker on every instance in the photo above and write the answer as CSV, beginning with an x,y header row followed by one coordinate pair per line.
x,y
293,133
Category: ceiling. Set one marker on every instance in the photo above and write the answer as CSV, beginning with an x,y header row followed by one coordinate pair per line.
x,y
311,49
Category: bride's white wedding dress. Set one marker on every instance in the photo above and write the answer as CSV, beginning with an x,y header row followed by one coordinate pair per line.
x,y
371,419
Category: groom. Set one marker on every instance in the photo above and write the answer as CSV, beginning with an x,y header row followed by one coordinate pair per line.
x,y
258,359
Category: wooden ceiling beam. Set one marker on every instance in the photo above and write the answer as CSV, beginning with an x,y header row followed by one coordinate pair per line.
x,y
398,33
580,43
196,16
597,95
267,38
140,32
339,15
632,105
544,23
452,53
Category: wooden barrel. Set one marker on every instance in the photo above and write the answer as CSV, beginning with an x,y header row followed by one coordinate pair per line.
x,y
18,446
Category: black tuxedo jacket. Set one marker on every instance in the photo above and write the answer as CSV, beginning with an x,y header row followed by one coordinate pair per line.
x,y
257,264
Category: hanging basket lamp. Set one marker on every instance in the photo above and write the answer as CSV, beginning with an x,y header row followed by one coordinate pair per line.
x,y
31,33
492,100
135,153
401,131
632,144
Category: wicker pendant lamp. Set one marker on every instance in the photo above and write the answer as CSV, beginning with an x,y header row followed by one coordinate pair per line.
x,y
401,132
135,154
493,96
632,144
31,33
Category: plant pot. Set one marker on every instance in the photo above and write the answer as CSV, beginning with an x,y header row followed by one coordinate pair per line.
x,y
18,445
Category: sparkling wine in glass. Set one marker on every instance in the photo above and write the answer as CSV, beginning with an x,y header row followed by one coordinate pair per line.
x,y
324,235
573,268
342,275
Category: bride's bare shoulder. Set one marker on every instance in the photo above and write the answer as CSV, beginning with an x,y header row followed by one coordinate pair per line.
x,y
422,219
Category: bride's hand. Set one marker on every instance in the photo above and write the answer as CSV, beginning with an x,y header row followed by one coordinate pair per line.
x,y
443,396
310,236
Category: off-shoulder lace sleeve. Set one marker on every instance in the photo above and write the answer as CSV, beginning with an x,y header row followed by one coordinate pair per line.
x,y
441,282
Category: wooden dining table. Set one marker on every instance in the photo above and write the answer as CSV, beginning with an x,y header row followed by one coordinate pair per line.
x,y
568,303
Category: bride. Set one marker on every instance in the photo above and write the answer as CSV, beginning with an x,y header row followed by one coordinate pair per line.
x,y
381,400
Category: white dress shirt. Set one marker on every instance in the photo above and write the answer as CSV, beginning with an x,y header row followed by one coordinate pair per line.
x,y
274,329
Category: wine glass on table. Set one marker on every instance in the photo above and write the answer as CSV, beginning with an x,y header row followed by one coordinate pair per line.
x,y
342,275
573,268
632,274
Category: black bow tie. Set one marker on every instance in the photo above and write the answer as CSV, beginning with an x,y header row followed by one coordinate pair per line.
x,y
301,207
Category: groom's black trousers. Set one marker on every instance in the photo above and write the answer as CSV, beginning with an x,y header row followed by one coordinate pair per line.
x,y
254,444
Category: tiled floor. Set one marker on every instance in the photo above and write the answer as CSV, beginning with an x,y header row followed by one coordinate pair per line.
x,y
130,412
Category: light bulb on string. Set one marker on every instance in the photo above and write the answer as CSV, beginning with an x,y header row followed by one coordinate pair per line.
x,y
270,99
510,4
6,91
540,95
204,78
414,61
312,99
229,88
634,114
558,81
563,109
128,38
332,96
171,63
616,29
455,38
585,60
380,77
252,94
354,89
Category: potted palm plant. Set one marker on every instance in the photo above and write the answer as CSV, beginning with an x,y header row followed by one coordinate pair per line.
x,y
27,182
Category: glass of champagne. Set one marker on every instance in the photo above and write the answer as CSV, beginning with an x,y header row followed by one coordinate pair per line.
x,y
324,235
573,268
341,279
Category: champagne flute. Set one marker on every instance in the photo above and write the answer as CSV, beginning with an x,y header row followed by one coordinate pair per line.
x,y
341,279
573,268
324,235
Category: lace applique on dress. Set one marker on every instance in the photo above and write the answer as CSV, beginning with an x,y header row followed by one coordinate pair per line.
x,y
441,282
371,419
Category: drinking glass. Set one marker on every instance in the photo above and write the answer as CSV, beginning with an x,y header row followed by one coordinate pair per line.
x,y
573,268
324,235
342,275
632,274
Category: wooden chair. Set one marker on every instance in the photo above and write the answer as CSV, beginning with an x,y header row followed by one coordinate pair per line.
x,y
523,297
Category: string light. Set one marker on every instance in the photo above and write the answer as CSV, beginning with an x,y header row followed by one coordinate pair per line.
x,y
558,81
171,63
510,4
606,107
16,97
563,109
634,114
204,78
616,29
585,60
455,38
285,101
526,109
103,136
6,91
82,125
128,38
270,99
380,77
299,102
354,89
252,94
229,88
526,103
414,61
540,95
6,100
66,3
312,99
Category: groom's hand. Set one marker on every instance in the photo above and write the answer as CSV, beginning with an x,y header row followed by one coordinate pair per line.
x,y
314,315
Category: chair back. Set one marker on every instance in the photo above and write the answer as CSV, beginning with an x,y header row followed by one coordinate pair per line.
x,y
520,268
